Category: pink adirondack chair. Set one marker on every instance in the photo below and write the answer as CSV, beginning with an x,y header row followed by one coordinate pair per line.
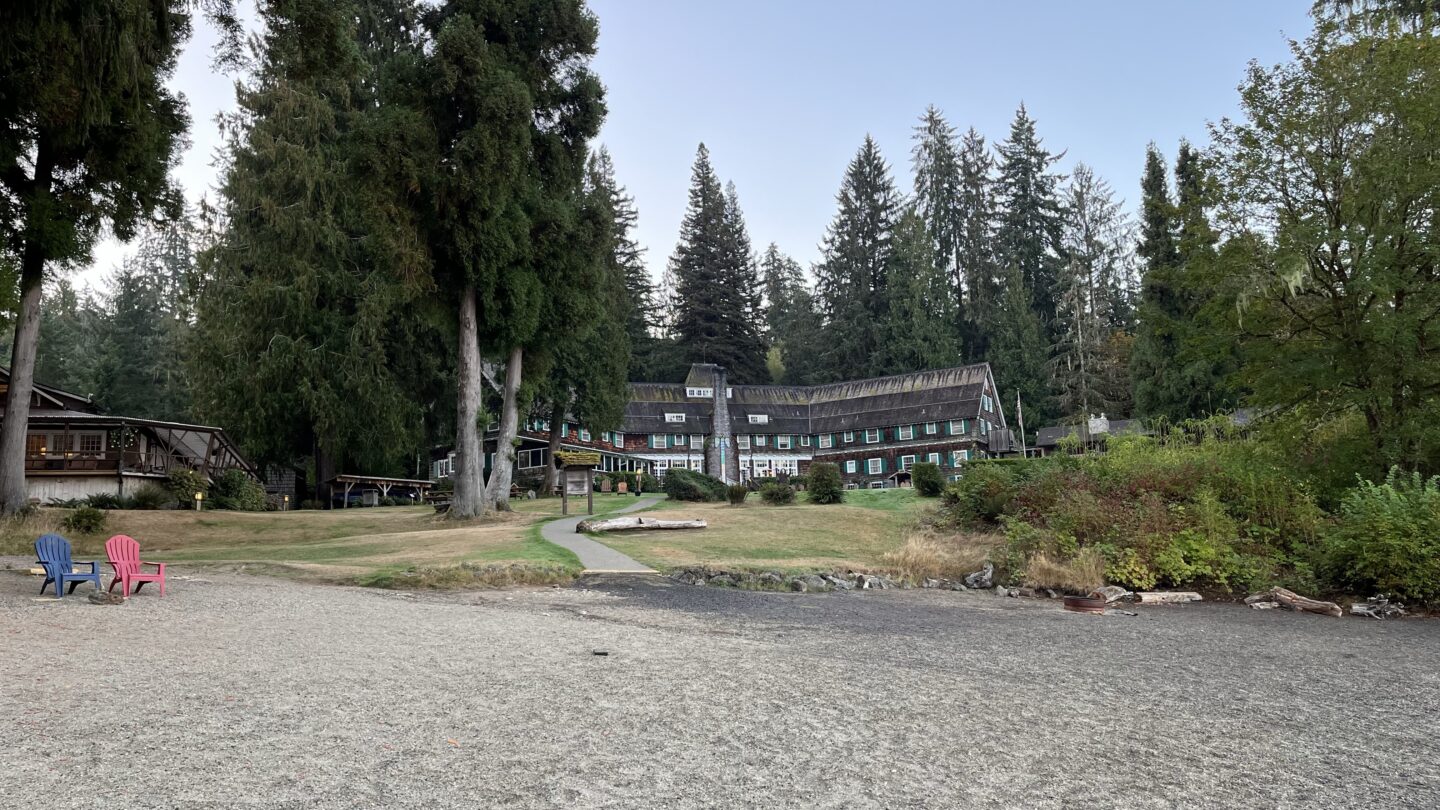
x,y
124,554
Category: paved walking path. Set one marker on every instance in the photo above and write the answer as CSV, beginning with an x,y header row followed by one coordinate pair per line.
x,y
595,556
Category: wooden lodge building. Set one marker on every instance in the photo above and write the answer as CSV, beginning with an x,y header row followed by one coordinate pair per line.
x,y
875,429
72,450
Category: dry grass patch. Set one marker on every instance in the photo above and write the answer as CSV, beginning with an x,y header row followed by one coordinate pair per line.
x,y
344,545
927,554
1082,573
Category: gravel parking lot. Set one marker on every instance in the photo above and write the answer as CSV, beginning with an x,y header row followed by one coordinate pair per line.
x,y
236,691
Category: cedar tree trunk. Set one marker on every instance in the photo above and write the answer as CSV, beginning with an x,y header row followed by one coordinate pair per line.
x,y
468,499
498,492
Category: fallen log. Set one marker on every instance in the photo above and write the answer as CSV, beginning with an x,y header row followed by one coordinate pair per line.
x,y
1167,597
628,524
1294,601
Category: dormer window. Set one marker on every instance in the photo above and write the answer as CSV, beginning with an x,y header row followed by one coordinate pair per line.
x,y
675,417
700,393
759,418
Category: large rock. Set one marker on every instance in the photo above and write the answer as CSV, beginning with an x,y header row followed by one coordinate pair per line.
x,y
771,579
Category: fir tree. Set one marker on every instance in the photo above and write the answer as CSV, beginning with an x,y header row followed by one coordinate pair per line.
x,y
919,330
782,279
801,340
73,323
852,275
1018,350
629,258
975,242
939,198
1031,215
715,281
1178,373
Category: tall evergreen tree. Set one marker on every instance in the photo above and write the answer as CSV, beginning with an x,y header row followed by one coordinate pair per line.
x,y
851,277
88,131
781,276
939,197
1018,350
511,101
1177,373
919,330
1093,299
1031,215
629,258
782,279
716,282
975,243
73,323
586,360
314,262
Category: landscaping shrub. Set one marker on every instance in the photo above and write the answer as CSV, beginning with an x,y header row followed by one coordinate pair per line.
x,y
928,480
233,489
736,493
106,500
1387,539
183,484
825,483
981,496
777,494
85,520
1221,513
688,485
150,496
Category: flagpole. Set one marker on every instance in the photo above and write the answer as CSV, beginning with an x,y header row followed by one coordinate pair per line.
x,y
1020,417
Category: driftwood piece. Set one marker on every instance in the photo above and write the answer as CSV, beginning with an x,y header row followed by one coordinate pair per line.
x,y
1111,593
1294,601
1167,597
1378,607
628,524
982,579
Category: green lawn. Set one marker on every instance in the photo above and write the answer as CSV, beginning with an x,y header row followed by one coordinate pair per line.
x,y
856,534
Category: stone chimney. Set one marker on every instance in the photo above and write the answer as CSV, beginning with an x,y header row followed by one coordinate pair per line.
x,y
721,460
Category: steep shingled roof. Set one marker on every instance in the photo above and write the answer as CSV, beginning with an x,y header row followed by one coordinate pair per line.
x,y
901,399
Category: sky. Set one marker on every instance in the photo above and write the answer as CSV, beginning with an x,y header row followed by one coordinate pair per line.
x,y
783,92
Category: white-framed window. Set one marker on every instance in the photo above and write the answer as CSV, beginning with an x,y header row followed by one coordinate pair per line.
x,y
905,432
826,441
584,434
933,458
675,417
931,428
705,393
805,440
759,418
617,439
90,443
697,441
759,439
986,403
849,436
852,466
957,427
906,462
742,441
872,435
875,466
657,441
782,442
984,427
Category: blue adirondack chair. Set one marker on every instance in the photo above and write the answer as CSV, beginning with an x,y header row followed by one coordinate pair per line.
x,y
53,553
